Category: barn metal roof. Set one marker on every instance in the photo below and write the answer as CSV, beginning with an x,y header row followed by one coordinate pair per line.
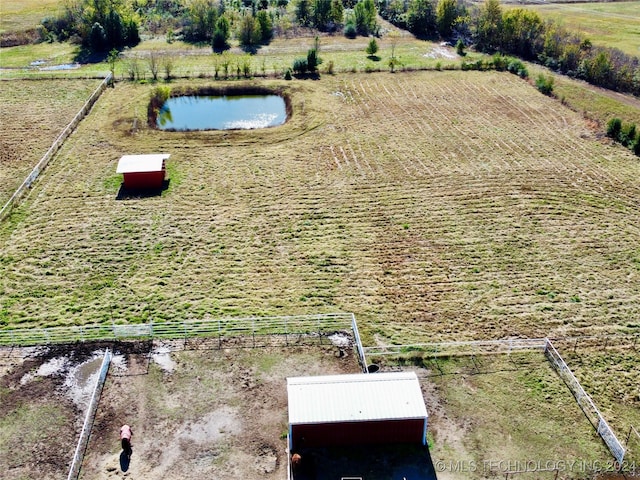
x,y
355,398
141,163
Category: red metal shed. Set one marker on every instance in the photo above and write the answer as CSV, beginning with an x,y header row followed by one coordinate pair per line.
x,y
143,172
357,409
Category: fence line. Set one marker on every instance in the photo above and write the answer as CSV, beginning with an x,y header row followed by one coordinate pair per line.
x,y
53,149
635,450
586,403
87,426
356,335
478,347
249,329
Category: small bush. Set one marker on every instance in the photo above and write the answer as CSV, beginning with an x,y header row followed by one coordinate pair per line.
x,y
330,67
350,30
372,47
300,66
287,74
613,128
313,60
516,67
636,146
500,62
627,134
460,47
544,84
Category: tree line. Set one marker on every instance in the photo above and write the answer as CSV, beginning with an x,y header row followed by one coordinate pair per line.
x,y
517,31
102,25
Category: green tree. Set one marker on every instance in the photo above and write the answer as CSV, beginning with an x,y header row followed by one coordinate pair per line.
x,y
201,16
303,12
97,38
522,33
365,14
446,14
337,12
266,25
249,32
313,60
221,34
421,18
372,47
112,58
488,26
321,14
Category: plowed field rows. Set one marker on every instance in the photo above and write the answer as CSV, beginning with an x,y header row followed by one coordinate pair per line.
x,y
433,205
34,113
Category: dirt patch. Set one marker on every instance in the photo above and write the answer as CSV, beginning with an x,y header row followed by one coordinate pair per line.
x,y
213,414
41,412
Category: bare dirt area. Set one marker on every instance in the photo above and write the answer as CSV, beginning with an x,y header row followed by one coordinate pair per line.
x,y
201,413
43,397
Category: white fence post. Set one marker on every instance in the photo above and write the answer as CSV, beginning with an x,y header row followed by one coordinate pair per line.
x,y
78,456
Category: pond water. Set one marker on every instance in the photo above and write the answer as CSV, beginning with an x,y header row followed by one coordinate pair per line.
x,y
222,112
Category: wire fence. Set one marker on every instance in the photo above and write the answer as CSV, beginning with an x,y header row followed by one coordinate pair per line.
x,y
53,149
585,402
446,349
223,332
87,426
632,457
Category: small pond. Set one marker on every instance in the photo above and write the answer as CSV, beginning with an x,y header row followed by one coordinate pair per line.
x,y
222,112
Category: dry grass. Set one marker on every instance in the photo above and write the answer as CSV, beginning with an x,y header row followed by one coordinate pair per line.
x,y
439,205
34,113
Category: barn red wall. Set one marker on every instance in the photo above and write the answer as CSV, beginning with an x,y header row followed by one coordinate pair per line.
x,y
357,433
142,181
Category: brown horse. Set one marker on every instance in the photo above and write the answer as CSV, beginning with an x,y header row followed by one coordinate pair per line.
x,y
296,462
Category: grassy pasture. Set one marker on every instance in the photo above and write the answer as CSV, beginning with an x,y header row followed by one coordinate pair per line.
x,y
611,24
17,15
434,205
33,115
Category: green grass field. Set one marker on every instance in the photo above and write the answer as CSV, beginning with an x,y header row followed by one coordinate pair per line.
x,y
612,24
34,114
435,205
17,15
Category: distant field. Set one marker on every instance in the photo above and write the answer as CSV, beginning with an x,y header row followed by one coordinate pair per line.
x,y
16,15
34,113
612,24
435,205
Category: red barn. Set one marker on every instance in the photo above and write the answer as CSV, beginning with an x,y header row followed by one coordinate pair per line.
x,y
143,172
378,408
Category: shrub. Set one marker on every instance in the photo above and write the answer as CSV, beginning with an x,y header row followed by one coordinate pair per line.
x,y
500,62
372,47
330,67
300,66
350,30
313,60
636,146
516,67
627,134
287,74
544,84
613,128
159,95
460,47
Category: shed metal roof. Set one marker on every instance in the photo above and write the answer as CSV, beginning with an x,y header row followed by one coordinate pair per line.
x,y
355,398
141,163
